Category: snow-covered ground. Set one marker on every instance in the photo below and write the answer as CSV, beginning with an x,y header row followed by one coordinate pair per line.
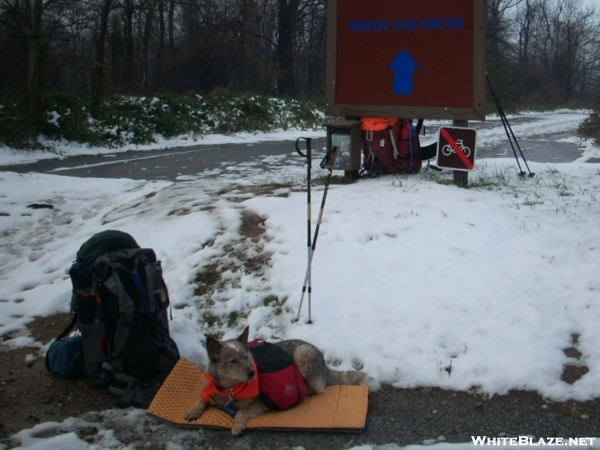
x,y
415,280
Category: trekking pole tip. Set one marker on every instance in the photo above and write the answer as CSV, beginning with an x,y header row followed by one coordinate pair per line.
x,y
531,175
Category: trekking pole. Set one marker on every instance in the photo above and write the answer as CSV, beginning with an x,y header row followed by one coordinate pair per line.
x,y
327,162
508,130
308,156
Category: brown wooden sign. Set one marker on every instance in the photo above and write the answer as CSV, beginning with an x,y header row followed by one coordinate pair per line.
x,y
400,58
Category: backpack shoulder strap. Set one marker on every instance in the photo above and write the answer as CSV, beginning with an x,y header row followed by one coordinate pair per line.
x,y
106,270
419,126
65,332
68,328
394,144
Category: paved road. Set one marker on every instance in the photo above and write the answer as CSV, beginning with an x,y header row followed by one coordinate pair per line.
x,y
170,164
545,146
212,160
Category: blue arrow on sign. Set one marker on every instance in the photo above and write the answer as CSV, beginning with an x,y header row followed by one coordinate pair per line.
x,y
404,66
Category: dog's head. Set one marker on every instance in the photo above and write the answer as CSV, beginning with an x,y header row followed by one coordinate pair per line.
x,y
230,361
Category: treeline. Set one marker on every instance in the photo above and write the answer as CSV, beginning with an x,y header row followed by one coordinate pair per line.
x,y
544,52
102,47
540,52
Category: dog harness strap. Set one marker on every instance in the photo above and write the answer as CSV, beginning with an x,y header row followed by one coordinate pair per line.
x,y
241,391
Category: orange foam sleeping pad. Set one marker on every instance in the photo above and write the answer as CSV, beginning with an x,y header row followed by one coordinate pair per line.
x,y
340,408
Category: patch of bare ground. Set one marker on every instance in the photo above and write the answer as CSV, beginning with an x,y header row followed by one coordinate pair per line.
x,y
246,256
253,226
29,394
576,368
241,193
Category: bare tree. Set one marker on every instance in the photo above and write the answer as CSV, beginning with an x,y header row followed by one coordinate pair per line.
x,y
311,47
29,17
287,27
500,45
97,82
577,32
561,49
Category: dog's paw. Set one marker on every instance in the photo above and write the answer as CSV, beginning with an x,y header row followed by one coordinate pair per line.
x,y
373,384
237,430
194,413
191,415
239,424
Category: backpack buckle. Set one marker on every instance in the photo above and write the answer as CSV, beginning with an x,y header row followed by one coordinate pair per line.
x,y
131,394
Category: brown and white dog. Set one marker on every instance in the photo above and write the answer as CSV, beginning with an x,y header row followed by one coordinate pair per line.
x,y
233,377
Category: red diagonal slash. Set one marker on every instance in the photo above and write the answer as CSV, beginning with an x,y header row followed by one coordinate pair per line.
x,y
457,149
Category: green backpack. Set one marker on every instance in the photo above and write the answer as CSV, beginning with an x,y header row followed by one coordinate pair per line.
x,y
120,304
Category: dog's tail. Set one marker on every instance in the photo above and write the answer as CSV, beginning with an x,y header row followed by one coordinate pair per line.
x,y
352,377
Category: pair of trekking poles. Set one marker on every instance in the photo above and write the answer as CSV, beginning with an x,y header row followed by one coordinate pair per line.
x,y
512,139
311,242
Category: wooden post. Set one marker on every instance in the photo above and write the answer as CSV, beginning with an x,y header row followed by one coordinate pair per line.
x,y
351,175
460,178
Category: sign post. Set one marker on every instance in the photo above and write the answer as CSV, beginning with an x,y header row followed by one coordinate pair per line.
x,y
461,178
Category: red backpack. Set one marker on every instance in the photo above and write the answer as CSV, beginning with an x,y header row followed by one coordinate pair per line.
x,y
281,384
389,146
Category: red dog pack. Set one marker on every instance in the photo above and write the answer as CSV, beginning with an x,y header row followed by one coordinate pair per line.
x,y
281,384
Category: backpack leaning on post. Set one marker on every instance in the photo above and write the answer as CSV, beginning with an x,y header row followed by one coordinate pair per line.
x,y
120,304
390,145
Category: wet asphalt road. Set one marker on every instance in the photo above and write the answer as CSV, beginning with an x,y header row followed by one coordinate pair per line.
x,y
209,160
169,164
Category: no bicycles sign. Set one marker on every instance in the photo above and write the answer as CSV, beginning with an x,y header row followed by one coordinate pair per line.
x,y
456,148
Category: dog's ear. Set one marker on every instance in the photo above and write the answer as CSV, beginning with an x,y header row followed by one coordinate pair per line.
x,y
213,348
243,338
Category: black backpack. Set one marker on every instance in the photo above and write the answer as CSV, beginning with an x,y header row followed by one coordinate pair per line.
x,y
120,304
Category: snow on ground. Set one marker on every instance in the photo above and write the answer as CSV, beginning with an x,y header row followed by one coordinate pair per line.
x,y
415,280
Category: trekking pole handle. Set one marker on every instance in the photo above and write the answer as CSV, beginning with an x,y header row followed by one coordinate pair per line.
x,y
306,155
328,155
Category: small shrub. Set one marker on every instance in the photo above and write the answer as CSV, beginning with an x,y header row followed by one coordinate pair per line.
x,y
67,117
15,128
590,127
123,120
